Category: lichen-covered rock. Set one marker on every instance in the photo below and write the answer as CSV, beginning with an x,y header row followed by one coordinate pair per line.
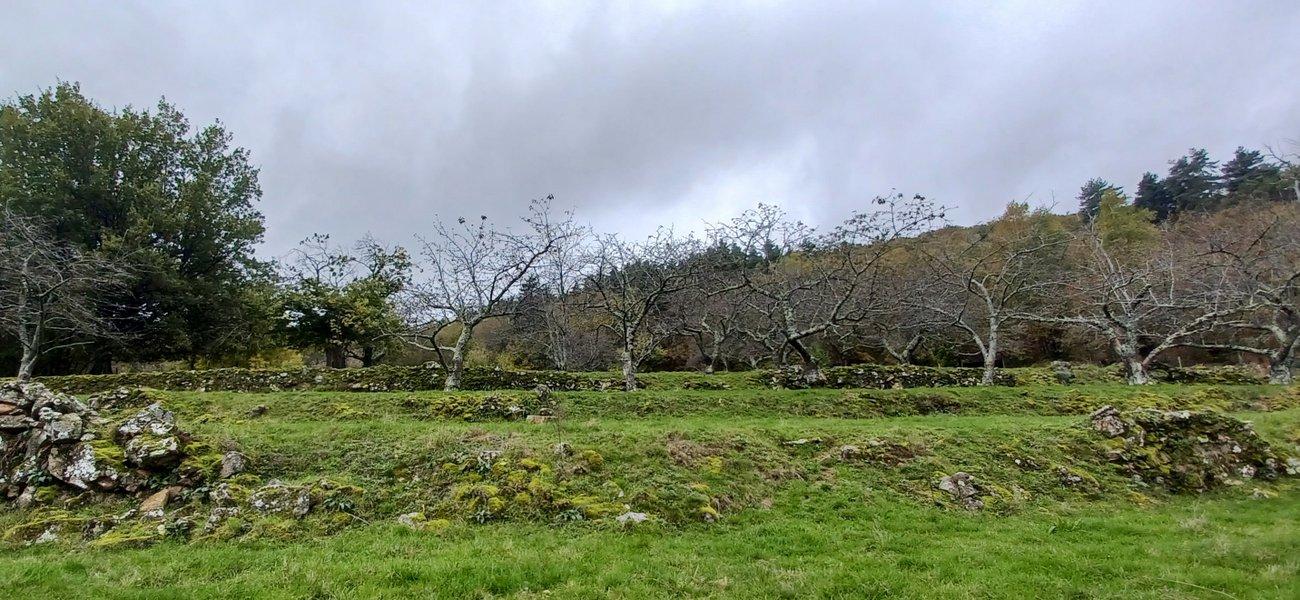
x,y
1107,421
153,420
631,518
153,452
80,467
232,463
48,437
1186,451
961,487
278,498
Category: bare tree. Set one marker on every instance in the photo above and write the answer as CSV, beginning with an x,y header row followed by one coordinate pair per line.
x,y
983,278
714,323
902,324
1134,289
52,294
632,284
803,282
562,271
1253,251
473,269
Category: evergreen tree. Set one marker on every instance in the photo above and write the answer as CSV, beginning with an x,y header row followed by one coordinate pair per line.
x,y
1090,196
1250,176
1153,196
175,202
1193,181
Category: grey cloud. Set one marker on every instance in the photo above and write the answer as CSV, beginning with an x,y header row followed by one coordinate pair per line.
x,y
637,114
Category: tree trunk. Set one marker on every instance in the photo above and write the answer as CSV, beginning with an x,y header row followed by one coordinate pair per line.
x,y
336,357
812,374
368,356
457,366
1279,362
27,365
31,344
1279,373
990,356
629,372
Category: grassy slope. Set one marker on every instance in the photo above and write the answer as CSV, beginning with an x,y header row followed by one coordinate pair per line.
x,y
796,522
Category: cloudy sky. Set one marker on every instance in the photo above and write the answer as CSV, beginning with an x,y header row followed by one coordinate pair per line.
x,y
641,113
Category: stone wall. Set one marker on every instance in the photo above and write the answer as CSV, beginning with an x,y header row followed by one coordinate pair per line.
x,y
394,378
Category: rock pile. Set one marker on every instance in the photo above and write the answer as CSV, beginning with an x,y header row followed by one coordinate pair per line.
x,y
961,486
1185,450
47,438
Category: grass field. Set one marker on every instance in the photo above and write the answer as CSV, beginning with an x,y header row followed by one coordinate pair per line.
x,y
748,493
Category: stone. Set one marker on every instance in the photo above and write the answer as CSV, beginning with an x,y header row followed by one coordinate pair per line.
x,y
156,503
850,452
47,536
961,486
540,419
26,498
1067,477
153,452
218,516
64,427
154,420
631,517
277,498
562,449
18,422
414,520
222,495
54,438
232,463
1107,421
302,503
1186,451
78,466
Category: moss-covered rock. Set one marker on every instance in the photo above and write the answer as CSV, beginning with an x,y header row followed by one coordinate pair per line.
x,y
1185,451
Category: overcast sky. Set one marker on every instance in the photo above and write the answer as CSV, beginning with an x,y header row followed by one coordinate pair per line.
x,y
636,114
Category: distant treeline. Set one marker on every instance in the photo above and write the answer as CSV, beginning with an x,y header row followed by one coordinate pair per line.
x,y
128,239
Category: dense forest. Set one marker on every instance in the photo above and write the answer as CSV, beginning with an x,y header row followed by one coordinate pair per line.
x,y
129,241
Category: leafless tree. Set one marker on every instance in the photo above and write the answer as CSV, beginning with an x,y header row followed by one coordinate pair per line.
x,y
51,293
984,278
804,282
562,271
903,324
714,323
473,268
1253,251
1134,289
631,285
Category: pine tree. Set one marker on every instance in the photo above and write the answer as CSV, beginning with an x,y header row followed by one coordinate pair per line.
x,y
1193,181
1153,196
1090,196
1248,175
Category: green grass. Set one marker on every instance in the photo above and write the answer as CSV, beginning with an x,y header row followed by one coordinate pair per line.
x,y
812,543
792,520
